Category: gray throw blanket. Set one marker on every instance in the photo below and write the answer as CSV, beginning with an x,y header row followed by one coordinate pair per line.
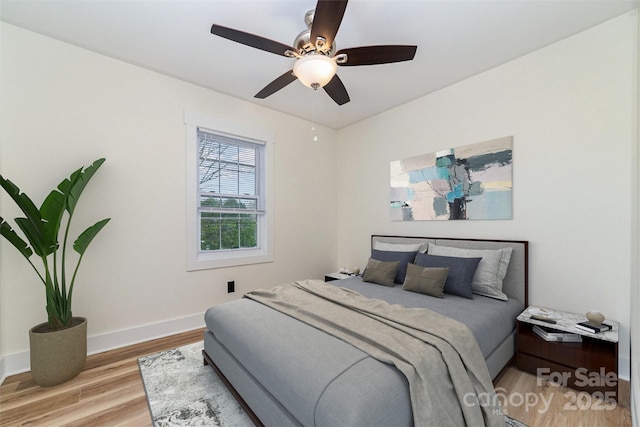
x,y
448,378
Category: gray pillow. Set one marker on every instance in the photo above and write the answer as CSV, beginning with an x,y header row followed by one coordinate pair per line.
x,y
491,270
428,281
461,271
403,259
380,272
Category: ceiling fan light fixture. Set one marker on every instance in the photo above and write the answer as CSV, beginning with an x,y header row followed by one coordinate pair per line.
x,y
315,52
315,70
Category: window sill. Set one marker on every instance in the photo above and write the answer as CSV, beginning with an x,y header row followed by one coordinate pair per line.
x,y
231,259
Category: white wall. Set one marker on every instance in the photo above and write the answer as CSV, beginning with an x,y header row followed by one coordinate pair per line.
x,y
63,107
571,110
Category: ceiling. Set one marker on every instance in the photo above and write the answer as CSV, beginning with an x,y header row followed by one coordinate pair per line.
x,y
456,39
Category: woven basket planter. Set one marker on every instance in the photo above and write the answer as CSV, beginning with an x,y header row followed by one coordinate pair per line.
x,y
58,356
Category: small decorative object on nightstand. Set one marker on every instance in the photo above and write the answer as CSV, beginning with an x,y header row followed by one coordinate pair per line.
x,y
595,317
590,365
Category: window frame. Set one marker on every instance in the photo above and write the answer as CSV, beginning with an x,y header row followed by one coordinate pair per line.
x,y
200,260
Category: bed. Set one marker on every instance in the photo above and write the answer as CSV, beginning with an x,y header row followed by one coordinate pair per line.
x,y
288,371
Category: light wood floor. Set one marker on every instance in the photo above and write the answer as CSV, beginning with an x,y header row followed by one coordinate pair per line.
x,y
109,392
549,405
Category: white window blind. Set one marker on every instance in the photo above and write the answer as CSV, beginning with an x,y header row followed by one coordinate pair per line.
x,y
231,191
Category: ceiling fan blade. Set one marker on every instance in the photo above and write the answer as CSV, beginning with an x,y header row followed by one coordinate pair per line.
x,y
276,85
371,55
336,90
326,20
250,40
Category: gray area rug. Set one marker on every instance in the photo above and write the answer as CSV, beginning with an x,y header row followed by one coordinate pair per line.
x,y
181,391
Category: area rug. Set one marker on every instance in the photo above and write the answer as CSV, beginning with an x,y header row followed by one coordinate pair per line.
x,y
181,391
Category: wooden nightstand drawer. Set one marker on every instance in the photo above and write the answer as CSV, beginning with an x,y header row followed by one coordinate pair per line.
x,y
577,378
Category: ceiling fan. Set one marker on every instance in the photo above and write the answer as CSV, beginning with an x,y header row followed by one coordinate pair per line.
x,y
315,53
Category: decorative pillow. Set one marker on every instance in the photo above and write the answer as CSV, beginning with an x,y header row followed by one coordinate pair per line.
x,y
428,281
380,272
403,258
399,247
491,271
461,271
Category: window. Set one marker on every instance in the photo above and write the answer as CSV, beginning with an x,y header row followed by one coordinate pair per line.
x,y
229,191
228,216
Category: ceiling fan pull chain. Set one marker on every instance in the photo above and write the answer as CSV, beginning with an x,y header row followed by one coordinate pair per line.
x,y
313,116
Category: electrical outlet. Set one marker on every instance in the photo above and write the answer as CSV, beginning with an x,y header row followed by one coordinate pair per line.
x,y
231,286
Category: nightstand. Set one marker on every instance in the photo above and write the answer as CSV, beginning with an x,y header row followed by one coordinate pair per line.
x,y
590,365
336,276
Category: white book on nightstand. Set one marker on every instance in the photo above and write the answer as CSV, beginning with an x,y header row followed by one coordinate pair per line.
x,y
549,334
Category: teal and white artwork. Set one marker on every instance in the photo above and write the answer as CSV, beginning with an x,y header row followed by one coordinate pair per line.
x,y
463,183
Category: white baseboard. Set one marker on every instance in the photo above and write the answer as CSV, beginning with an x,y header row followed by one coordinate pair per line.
x,y
17,363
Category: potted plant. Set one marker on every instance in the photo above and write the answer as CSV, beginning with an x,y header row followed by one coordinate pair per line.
x,y
58,348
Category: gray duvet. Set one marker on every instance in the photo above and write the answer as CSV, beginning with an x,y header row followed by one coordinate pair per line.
x,y
438,355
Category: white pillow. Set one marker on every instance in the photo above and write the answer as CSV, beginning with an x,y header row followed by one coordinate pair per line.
x,y
492,268
398,247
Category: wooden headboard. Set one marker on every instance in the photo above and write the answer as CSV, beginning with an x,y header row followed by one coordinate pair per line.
x,y
516,282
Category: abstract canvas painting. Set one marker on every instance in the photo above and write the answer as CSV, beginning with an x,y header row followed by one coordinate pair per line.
x,y
463,183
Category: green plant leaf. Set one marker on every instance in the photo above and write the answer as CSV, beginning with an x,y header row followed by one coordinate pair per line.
x,y
66,184
34,235
83,241
51,211
74,186
24,203
12,236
